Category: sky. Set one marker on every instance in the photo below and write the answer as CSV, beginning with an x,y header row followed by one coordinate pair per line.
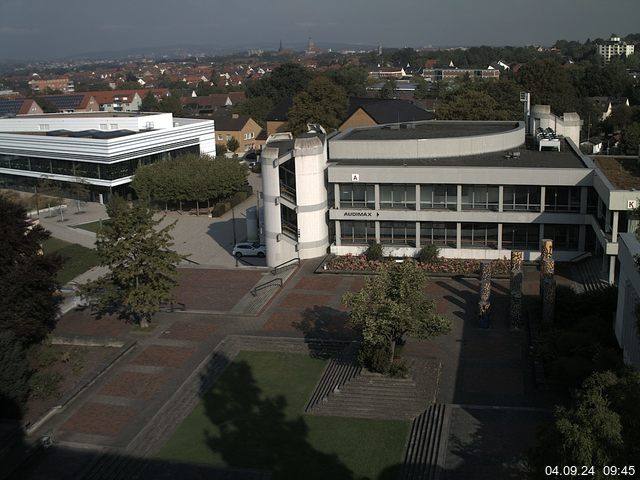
x,y
48,29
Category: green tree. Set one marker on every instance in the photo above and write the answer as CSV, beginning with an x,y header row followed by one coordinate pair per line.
x,y
322,102
388,90
352,78
142,265
600,428
80,191
171,104
233,144
256,107
28,304
549,84
286,80
150,103
631,139
392,305
471,105
14,375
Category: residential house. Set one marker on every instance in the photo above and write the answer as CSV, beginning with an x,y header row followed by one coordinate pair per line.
x,y
63,84
73,103
19,106
364,112
210,104
241,127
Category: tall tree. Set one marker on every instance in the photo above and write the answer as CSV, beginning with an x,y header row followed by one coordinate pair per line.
x,y
321,102
150,103
549,84
28,304
352,78
142,265
233,144
392,305
286,80
14,375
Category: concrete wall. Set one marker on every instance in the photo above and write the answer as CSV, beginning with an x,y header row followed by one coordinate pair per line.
x,y
628,296
568,125
93,121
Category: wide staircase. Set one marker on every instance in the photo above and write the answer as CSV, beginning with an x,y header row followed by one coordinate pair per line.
x,y
587,275
426,449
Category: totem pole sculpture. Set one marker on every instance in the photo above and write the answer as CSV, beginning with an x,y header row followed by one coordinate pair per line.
x,y
547,282
484,305
515,290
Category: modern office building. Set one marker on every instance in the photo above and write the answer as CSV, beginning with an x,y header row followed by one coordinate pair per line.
x,y
100,149
627,325
474,189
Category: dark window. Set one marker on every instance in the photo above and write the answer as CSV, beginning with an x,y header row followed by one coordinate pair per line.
x,y
562,199
521,236
521,198
287,172
479,235
441,197
357,233
398,233
354,195
480,197
443,234
398,196
289,222
565,237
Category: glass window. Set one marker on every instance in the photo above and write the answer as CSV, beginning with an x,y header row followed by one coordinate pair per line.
x,y
521,198
480,197
357,233
41,165
443,234
565,237
357,195
479,235
398,233
86,169
442,197
521,236
62,167
289,222
398,196
562,199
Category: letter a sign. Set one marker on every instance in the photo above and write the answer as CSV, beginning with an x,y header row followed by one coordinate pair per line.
x,y
355,177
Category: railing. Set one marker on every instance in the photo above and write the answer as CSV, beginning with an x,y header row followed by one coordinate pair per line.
x,y
284,265
266,284
580,257
190,261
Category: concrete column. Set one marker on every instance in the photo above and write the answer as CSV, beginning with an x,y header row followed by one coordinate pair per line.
x,y
376,191
417,234
377,230
614,227
336,194
584,192
542,199
612,269
459,201
500,204
338,233
417,203
500,233
582,235
458,234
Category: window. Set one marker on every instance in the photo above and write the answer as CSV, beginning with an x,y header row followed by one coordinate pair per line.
x,y
479,235
521,198
113,126
356,195
287,173
562,199
357,233
220,137
441,197
103,126
521,236
43,126
228,137
398,233
480,197
289,222
398,196
565,237
442,234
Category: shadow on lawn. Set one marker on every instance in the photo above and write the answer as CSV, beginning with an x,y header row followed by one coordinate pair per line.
x,y
254,432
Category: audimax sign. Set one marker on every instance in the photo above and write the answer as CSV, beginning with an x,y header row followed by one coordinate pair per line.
x,y
360,214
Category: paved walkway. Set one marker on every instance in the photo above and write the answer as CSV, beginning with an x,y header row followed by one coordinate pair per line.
x,y
481,369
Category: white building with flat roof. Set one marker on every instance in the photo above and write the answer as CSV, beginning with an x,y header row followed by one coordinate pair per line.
x,y
101,149
614,47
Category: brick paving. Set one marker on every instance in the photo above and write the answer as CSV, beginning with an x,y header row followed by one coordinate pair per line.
x,y
82,322
99,419
133,385
188,331
162,356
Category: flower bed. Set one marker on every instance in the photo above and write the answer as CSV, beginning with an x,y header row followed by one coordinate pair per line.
x,y
453,266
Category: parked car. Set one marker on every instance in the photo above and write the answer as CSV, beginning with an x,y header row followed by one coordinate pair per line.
x,y
246,249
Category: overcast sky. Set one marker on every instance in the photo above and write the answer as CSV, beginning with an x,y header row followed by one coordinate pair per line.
x,y
35,29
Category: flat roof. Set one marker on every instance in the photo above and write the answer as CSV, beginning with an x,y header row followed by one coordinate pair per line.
x,y
429,129
566,158
623,173
87,114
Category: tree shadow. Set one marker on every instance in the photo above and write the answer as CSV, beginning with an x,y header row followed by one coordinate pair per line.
x,y
325,323
222,231
256,432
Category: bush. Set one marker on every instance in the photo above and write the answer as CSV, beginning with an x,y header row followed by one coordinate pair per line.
x,y
14,375
218,209
238,198
374,252
428,254
45,385
399,369
375,356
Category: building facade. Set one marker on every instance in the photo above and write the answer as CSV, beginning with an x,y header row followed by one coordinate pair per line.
x,y
100,150
626,323
614,47
473,189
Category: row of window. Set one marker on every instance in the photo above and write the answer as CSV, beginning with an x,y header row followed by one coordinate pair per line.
x,y
472,235
474,197
103,171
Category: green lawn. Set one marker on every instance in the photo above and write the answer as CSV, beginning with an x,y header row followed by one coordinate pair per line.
x,y
91,227
252,418
77,259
